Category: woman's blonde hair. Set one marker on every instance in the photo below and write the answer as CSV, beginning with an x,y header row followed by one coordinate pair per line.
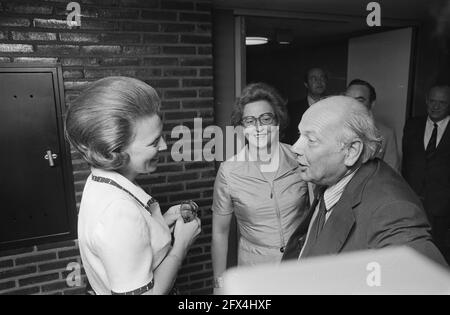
x,y
100,122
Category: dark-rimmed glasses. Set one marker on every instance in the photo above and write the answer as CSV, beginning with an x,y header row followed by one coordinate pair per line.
x,y
264,119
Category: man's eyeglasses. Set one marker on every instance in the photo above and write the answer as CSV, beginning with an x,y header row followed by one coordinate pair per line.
x,y
264,119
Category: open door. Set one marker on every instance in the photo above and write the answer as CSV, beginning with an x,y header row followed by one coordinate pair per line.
x,y
384,60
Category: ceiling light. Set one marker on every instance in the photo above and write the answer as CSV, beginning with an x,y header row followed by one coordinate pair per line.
x,y
251,41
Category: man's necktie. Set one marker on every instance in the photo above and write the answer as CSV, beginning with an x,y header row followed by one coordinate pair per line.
x,y
321,216
317,197
431,147
318,224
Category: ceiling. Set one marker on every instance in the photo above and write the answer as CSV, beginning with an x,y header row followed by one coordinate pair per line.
x,y
398,9
303,31
323,20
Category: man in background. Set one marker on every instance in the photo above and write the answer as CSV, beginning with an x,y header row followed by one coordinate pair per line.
x,y
315,82
426,161
365,93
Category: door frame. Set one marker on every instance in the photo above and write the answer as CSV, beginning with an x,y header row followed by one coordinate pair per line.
x,y
240,48
64,154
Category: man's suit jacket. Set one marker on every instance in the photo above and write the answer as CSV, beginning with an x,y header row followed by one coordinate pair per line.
x,y
377,209
296,109
430,179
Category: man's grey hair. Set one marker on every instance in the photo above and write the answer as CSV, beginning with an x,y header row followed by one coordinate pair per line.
x,y
359,124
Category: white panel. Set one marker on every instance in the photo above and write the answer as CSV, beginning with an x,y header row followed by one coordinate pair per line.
x,y
387,271
383,59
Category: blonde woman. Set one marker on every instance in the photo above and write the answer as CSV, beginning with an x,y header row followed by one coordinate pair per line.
x,y
125,241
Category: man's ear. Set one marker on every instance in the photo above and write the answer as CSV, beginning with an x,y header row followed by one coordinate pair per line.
x,y
372,105
354,151
306,85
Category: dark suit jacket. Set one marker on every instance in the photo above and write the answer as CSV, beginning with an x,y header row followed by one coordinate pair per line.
x,y
377,209
296,109
429,179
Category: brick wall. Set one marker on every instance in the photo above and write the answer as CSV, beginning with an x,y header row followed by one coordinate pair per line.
x,y
164,43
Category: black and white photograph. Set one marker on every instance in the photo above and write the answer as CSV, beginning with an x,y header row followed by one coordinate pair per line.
x,y
225,153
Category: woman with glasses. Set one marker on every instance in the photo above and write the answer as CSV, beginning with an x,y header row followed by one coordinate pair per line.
x,y
261,185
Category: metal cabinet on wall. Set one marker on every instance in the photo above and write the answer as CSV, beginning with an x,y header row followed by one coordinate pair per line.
x,y
36,183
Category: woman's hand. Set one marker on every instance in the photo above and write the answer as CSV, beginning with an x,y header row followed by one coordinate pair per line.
x,y
186,233
171,216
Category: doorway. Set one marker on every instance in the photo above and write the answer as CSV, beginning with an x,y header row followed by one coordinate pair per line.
x,y
345,50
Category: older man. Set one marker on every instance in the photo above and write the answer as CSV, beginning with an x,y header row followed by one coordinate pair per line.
x,y
361,203
365,93
426,160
